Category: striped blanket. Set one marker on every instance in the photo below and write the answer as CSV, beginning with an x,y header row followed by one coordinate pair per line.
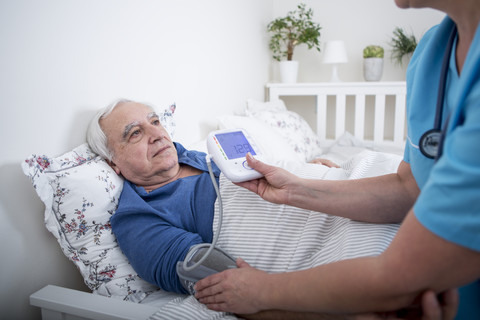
x,y
278,238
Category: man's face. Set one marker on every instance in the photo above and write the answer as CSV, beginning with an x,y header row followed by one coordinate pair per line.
x,y
143,152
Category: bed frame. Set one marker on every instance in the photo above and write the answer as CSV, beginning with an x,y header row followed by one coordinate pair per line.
x,y
58,303
61,303
386,98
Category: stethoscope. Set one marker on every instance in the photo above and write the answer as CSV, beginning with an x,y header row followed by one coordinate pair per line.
x,y
431,142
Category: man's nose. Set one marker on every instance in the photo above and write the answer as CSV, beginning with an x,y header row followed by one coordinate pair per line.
x,y
156,133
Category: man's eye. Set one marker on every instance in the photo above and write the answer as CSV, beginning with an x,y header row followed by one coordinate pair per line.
x,y
156,122
135,133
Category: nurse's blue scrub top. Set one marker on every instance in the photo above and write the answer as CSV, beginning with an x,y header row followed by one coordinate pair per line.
x,y
448,204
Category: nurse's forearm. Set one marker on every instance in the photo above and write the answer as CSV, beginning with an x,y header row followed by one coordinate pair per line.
x,y
417,260
291,315
384,199
354,290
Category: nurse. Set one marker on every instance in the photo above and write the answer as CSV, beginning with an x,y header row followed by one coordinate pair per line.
x,y
434,194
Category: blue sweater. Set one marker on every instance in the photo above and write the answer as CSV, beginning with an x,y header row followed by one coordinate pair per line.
x,y
156,229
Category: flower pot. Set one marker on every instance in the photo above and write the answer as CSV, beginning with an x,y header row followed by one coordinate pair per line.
x,y
372,69
288,71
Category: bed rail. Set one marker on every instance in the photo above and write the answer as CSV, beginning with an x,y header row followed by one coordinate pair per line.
x,y
360,91
59,303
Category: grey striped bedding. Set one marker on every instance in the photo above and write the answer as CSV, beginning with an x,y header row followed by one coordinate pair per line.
x,y
278,238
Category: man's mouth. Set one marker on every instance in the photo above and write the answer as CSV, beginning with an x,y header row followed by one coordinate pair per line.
x,y
159,151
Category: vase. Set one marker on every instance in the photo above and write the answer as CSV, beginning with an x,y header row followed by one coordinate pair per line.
x,y
288,71
372,69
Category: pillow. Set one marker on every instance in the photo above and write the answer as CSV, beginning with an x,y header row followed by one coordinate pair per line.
x,y
274,145
80,192
292,127
257,106
167,120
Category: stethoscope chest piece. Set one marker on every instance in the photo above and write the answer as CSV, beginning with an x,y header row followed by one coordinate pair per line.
x,y
430,143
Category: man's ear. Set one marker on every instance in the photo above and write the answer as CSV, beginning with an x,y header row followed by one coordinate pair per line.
x,y
114,167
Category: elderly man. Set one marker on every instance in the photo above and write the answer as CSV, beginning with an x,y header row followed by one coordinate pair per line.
x,y
167,202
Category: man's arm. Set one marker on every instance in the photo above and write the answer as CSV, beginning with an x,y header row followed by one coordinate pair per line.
x,y
152,244
154,249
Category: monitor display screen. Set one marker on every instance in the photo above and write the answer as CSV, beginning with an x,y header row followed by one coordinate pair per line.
x,y
235,144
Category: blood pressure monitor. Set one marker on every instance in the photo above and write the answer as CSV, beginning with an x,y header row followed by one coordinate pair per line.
x,y
228,149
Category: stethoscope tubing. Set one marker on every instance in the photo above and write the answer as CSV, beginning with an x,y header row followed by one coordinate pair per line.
x,y
435,137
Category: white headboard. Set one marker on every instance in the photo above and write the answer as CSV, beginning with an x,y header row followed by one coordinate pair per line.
x,y
383,93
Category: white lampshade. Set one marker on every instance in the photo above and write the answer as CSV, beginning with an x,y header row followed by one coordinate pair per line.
x,y
334,54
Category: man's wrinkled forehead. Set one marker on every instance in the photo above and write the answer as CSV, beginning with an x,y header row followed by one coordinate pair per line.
x,y
133,124
123,115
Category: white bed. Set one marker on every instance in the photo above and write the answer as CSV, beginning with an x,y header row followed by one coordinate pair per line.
x,y
79,218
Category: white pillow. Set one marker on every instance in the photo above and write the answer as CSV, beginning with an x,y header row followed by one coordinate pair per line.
x,y
80,192
274,145
167,120
289,125
257,106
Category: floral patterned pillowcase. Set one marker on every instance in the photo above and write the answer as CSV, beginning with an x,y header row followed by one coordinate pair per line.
x,y
80,192
289,125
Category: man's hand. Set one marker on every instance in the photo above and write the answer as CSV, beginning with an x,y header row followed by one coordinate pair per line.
x,y
325,162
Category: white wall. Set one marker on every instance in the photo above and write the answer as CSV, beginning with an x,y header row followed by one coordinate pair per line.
x,y
61,60
359,23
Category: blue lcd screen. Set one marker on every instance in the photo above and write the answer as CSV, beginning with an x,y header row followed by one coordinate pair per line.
x,y
235,144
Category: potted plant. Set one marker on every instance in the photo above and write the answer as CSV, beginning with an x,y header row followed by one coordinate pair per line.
x,y
402,45
373,62
287,33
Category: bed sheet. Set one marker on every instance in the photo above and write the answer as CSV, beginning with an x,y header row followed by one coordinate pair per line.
x,y
278,238
347,146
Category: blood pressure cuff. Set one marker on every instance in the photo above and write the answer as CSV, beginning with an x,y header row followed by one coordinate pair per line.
x,y
217,261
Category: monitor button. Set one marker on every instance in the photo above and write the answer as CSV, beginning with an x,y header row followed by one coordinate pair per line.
x,y
245,165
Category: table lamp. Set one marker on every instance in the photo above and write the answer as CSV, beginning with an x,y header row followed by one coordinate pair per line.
x,y
334,54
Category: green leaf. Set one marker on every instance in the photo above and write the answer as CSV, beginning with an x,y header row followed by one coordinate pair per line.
x,y
292,30
402,45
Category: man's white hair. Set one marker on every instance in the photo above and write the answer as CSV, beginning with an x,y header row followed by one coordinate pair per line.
x,y
96,138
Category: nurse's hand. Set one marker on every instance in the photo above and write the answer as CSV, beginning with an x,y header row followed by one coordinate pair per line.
x,y
276,184
443,306
432,307
236,291
432,310
233,290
